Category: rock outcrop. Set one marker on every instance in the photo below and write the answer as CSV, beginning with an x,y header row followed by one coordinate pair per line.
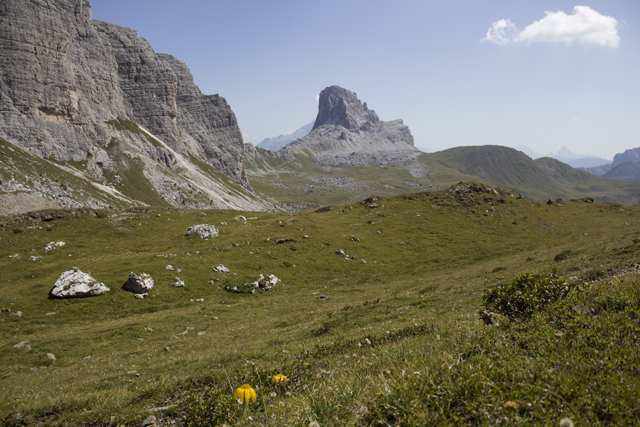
x,y
347,132
70,86
76,284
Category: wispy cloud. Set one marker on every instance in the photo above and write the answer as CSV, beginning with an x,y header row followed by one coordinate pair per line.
x,y
317,98
584,26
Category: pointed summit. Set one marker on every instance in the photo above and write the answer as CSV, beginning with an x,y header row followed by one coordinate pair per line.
x,y
347,132
338,106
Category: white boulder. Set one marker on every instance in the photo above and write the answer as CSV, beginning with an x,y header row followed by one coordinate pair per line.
x,y
138,284
204,230
76,284
53,245
221,269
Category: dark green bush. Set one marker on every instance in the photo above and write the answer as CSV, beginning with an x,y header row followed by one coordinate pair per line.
x,y
523,297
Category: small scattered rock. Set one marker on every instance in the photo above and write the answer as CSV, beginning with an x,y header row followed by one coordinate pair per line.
x,y
241,218
51,356
34,258
179,283
197,300
27,347
582,310
205,231
150,421
16,314
53,245
221,269
20,344
169,267
138,284
281,241
141,296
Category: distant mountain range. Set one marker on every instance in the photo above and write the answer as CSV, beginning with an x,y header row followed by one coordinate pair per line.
x,y
567,156
351,154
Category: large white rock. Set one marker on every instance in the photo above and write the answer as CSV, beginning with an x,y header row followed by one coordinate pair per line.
x,y
138,284
76,284
204,230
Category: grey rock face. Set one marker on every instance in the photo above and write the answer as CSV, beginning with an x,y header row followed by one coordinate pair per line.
x,y
347,132
138,284
341,107
64,75
76,284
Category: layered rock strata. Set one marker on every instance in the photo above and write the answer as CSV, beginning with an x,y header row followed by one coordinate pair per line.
x,y
65,75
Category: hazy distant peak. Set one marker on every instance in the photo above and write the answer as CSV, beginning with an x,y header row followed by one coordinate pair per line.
x,y
277,142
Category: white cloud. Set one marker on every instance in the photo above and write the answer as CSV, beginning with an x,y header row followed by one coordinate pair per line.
x,y
287,132
317,98
584,26
502,32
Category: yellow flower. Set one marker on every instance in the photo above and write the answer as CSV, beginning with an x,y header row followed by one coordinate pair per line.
x,y
278,378
245,392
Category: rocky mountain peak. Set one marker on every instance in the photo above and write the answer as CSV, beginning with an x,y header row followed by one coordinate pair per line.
x,y
347,132
341,107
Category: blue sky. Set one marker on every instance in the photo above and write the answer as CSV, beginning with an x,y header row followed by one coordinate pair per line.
x,y
570,78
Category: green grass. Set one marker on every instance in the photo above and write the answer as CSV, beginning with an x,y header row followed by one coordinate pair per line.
x,y
350,335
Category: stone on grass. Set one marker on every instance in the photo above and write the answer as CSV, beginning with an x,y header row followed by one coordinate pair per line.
x,y
138,284
150,421
76,284
179,283
53,245
51,356
221,269
204,230
264,283
141,296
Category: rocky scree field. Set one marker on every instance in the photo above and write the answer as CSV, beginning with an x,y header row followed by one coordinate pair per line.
x,y
389,311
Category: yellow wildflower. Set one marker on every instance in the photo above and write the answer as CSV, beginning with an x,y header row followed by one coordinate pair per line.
x,y
245,393
278,378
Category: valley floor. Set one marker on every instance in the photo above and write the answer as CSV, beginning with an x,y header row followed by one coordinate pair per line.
x,y
375,321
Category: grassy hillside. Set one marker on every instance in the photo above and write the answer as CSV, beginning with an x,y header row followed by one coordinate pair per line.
x,y
300,180
386,335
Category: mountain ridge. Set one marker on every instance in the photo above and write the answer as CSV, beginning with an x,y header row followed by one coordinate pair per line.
x,y
89,83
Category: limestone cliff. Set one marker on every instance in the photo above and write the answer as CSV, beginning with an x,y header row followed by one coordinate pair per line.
x,y
347,132
69,84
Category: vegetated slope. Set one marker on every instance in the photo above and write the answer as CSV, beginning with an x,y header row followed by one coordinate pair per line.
x,y
394,283
90,83
295,178
539,179
627,171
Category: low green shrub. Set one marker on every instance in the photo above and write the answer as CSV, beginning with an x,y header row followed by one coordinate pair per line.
x,y
523,297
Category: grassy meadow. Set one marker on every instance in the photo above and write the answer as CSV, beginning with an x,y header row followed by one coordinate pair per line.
x,y
388,335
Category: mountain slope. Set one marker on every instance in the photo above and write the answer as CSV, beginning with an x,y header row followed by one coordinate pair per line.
x,y
538,179
90,83
299,179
